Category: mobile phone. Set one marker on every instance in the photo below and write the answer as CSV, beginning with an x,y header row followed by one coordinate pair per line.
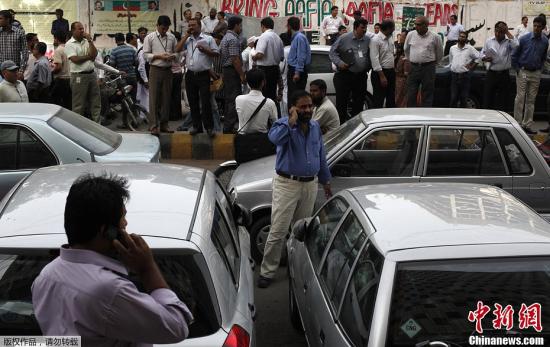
x,y
113,233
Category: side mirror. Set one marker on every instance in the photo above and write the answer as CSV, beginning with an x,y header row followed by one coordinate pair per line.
x,y
242,215
305,226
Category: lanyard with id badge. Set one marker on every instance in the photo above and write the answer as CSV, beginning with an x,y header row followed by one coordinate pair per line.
x,y
193,49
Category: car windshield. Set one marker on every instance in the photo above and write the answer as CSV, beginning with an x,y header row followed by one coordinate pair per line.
x,y
18,271
346,131
90,135
432,300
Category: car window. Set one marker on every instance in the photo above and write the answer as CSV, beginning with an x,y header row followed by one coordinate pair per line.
x,y
345,133
329,216
358,306
223,200
32,152
92,136
433,299
463,152
320,63
515,158
8,147
341,255
225,245
385,153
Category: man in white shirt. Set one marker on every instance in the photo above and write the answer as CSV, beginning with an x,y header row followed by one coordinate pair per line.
x,y
11,89
424,50
497,52
330,25
523,28
209,23
462,58
248,103
324,111
268,56
453,30
381,49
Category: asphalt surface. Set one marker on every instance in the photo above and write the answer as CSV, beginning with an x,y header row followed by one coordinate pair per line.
x,y
273,328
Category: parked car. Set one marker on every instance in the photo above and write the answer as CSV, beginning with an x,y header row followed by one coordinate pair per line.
x,y
405,264
38,135
184,215
412,145
442,95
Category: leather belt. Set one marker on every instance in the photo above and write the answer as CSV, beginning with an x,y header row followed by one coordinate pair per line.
x,y
296,178
83,72
423,64
197,73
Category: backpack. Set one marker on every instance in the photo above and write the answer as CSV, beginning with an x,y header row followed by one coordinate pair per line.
x,y
147,67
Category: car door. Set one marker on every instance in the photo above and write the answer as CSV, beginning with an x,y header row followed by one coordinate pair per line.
x,y
384,155
464,154
21,151
544,90
327,291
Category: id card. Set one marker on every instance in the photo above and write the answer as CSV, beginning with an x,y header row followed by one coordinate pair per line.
x,y
360,54
77,80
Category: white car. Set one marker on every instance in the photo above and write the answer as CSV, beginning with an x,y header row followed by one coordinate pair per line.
x,y
183,214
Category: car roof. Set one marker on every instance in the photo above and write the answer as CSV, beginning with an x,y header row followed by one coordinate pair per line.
x,y
383,115
29,110
162,199
418,215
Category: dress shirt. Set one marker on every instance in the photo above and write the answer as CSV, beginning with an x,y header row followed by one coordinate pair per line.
x,y
195,59
209,24
155,44
297,154
299,56
331,24
60,57
501,52
326,115
245,57
454,32
521,30
271,46
460,57
10,92
247,104
531,53
13,46
30,66
73,48
423,48
360,48
60,25
83,293
41,76
123,57
381,52
142,70
230,47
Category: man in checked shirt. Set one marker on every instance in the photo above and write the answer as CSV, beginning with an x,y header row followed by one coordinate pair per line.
x,y
13,45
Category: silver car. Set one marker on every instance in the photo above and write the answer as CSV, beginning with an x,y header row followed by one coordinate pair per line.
x,y
182,213
406,264
38,135
412,145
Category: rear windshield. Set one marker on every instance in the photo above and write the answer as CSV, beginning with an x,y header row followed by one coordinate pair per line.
x,y
349,129
90,135
17,273
433,300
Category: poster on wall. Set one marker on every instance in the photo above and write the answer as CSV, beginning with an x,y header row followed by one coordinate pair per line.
x,y
535,7
111,16
409,14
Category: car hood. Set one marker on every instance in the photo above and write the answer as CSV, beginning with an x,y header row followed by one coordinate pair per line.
x,y
254,175
134,148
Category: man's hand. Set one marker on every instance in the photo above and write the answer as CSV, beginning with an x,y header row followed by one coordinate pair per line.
x,y
87,37
146,85
293,116
134,252
383,80
123,73
343,66
296,77
328,191
204,49
487,59
471,66
243,78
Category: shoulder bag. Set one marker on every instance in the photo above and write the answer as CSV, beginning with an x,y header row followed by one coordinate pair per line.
x,y
252,146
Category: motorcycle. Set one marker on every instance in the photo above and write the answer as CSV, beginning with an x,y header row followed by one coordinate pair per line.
x,y
120,99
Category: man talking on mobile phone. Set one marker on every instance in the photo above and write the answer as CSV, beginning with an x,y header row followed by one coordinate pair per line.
x,y
86,292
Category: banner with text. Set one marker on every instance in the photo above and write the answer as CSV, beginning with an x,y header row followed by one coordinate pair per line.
x,y
111,16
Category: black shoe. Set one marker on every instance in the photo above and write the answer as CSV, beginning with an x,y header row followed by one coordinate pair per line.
x,y
210,133
545,130
530,131
193,131
264,282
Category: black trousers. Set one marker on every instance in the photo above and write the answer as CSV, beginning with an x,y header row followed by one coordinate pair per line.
x,y
294,86
349,84
175,100
39,95
496,93
448,46
331,39
460,88
271,77
384,94
197,86
231,89
422,76
61,93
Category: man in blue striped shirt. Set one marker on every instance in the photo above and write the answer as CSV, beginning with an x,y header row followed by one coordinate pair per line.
x,y
299,57
123,58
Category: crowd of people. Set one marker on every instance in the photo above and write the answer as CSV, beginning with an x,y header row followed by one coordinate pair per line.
x,y
211,61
